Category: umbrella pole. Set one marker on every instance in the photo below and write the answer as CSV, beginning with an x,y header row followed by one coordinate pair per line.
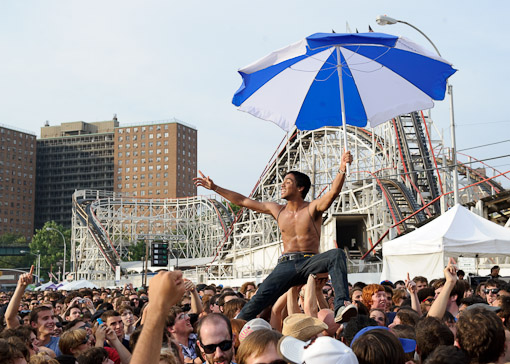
x,y
342,104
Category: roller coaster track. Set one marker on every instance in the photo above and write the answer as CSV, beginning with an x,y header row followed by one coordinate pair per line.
x,y
402,202
106,225
416,159
489,186
86,214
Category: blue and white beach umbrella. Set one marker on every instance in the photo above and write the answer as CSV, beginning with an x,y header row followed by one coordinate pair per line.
x,y
332,79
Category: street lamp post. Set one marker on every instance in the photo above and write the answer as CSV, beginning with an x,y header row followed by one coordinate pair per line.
x,y
386,20
38,267
64,239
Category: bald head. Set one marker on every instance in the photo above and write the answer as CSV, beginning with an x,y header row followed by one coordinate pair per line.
x,y
328,317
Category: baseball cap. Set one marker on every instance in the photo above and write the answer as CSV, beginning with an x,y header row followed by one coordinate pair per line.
x,y
253,325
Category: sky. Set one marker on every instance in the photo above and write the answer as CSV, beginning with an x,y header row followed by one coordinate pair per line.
x,y
66,60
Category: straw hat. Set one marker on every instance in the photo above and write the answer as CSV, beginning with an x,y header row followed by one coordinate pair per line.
x,y
302,327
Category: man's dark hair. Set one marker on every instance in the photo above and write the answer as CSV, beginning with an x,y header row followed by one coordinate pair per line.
x,y
504,313
481,334
378,346
34,315
92,355
448,354
430,333
494,283
408,316
107,314
494,268
468,301
302,180
420,279
221,299
458,289
354,326
68,326
215,317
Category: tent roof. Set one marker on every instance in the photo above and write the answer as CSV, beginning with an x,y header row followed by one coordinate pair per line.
x,y
458,232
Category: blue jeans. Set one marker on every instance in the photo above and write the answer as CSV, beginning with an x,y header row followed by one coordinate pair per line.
x,y
292,273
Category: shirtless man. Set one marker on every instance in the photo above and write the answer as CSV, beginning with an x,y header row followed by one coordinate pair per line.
x,y
300,225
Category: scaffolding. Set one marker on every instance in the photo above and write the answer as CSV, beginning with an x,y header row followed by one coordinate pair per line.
x,y
401,171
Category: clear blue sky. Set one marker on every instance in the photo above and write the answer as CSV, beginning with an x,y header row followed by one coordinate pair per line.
x,y
152,60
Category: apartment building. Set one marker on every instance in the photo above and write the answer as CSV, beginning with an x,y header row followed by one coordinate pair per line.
x,y
17,181
72,156
156,159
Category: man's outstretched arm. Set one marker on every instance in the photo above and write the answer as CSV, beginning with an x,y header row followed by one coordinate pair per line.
x,y
269,208
323,203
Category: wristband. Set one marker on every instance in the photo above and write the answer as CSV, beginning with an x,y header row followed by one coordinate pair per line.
x,y
341,172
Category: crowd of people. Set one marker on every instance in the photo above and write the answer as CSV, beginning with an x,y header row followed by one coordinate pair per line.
x,y
175,321
305,311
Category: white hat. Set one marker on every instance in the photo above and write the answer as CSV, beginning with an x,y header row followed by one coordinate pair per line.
x,y
322,350
253,325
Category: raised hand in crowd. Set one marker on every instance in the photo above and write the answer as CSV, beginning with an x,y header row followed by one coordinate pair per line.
x,y
165,290
11,313
196,302
413,292
438,308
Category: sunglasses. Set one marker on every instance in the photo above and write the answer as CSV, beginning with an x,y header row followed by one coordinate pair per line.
x,y
492,290
277,361
224,346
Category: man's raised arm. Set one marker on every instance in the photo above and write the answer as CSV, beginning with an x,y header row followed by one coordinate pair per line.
x,y
323,203
270,208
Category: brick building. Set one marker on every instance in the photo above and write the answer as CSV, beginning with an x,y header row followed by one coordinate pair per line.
x,y
17,181
156,160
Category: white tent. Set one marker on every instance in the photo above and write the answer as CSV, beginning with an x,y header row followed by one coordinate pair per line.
x,y
425,251
77,285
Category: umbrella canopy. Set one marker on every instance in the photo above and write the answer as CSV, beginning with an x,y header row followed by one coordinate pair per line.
x,y
375,76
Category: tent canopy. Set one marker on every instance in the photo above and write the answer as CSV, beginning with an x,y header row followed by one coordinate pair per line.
x,y
458,232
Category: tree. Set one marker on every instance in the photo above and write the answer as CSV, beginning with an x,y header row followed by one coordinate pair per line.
x,y
51,247
137,251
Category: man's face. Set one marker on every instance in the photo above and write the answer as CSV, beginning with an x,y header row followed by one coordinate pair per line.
x,y
421,285
491,294
215,308
45,324
182,325
74,314
127,318
58,308
115,323
289,186
356,296
215,332
379,300
209,292
495,272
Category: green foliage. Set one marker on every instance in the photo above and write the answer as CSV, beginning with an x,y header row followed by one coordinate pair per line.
x,y
137,251
50,245
15,262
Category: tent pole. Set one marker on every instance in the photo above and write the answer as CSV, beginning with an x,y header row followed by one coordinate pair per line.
x,y
342,104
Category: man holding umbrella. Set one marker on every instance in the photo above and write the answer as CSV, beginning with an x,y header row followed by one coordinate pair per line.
x,y
300,225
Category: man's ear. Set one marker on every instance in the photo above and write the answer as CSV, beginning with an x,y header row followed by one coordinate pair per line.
x,y
34,324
